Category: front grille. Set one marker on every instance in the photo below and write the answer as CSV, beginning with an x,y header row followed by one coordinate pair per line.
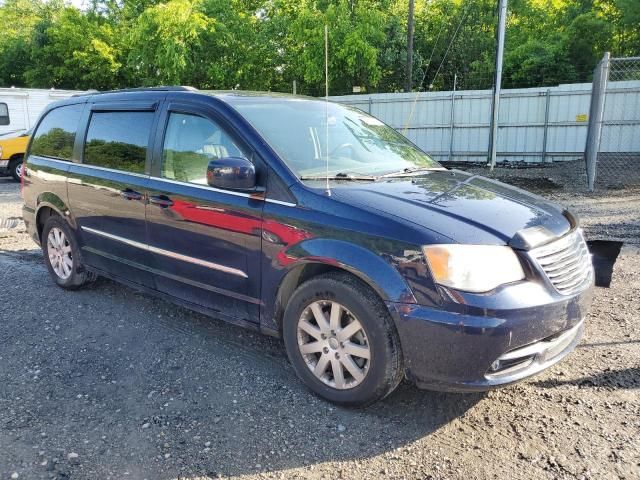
x,y
566,262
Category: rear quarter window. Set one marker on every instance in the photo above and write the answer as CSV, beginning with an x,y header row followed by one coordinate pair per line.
x,y
118,140
56,133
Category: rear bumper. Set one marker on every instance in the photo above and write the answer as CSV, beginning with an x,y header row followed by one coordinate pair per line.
x,y
29,217
484,348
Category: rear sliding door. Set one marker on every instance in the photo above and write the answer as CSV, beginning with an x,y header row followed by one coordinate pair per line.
x,y
108,190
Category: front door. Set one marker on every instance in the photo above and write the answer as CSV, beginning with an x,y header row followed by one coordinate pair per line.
x,y
205,243
107,192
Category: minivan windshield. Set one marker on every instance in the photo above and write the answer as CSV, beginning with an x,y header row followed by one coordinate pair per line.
x,y
359,146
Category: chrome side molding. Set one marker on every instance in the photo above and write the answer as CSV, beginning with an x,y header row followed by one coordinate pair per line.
x,y
168,253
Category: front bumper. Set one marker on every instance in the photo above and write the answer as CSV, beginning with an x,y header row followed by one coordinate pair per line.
x,y
4,166
491,340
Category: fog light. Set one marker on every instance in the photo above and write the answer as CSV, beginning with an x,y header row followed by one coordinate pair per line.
x,y
495,365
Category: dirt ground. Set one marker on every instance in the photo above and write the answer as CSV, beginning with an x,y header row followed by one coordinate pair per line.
x,y
108,383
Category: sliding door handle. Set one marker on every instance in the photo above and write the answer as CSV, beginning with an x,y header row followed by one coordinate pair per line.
x,y
129,194
161,200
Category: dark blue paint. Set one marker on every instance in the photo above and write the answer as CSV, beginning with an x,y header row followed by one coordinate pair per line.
x,y
374,230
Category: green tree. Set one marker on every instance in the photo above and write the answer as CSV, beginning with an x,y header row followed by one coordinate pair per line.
x,y
267,44
19,19
73,50
165,41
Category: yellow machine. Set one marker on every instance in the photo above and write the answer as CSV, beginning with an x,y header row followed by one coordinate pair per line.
x,y
12,148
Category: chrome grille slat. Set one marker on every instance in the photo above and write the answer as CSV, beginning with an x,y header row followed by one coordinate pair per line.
x,y
568,279
569,285
567,274
569,252
573,262
566,262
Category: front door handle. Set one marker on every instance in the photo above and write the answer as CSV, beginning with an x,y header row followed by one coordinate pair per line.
x,y
161,200
129,194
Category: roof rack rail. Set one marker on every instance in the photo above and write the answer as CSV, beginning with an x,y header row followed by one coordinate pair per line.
x,y
170,88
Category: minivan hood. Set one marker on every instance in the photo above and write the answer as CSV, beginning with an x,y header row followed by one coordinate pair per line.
x,y
466,208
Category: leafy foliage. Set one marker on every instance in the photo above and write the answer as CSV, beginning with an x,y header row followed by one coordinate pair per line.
x,y
267,44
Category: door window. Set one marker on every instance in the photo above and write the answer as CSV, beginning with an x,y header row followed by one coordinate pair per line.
x,y
56,133
118,140
4,114
190,143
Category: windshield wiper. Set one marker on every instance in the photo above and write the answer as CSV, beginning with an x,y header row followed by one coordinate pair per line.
x,y
340,176
411,171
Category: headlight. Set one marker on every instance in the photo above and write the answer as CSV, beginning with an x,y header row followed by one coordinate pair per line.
x,y
473,268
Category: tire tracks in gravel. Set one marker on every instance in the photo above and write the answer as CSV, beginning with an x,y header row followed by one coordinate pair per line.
x,y
197,325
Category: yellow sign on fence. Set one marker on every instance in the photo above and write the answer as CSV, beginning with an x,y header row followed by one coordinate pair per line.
x,y
581,117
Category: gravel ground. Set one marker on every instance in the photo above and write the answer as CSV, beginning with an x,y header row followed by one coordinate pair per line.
x,y
109,383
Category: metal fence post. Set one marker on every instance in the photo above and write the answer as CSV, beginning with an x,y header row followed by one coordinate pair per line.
x,y
452,118
546,125
370,104
596,115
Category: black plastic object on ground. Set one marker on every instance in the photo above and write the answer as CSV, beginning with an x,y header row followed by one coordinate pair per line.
x,y
605,253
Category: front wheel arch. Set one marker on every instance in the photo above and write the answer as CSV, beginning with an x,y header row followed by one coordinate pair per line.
x,y
293,279
318,256
305,271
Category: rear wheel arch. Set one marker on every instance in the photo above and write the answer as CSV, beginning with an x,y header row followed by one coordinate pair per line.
x,y
47,209
42,216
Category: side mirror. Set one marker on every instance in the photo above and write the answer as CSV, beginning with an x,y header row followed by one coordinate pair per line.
x,y
231,173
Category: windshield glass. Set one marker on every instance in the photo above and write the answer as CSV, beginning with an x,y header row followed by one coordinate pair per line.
x,y
358,144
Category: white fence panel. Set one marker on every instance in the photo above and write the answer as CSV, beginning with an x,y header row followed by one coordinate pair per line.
x,y
535,124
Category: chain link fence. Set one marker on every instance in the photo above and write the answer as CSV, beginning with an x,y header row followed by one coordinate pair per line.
x,y
544,134
613,140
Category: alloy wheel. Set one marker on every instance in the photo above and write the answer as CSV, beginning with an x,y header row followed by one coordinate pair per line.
x,y
59,250
334,344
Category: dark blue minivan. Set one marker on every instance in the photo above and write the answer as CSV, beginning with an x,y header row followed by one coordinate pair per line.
x,y
311,221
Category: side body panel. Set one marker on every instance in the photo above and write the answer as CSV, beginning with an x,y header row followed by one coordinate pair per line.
x,y
205,247
109,210
322,232
205,243
45,185
109,205
44,182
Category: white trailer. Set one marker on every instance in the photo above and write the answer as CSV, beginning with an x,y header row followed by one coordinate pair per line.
x,y
21,107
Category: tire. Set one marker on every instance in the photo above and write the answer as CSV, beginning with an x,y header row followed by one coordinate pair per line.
x,y
15,167
383,370
73,274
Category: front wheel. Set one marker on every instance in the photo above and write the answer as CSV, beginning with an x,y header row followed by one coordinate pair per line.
x,y
15,168
341,340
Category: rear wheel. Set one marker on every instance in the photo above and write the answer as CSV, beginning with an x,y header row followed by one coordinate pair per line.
x,y
62,255
341,341
15,168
